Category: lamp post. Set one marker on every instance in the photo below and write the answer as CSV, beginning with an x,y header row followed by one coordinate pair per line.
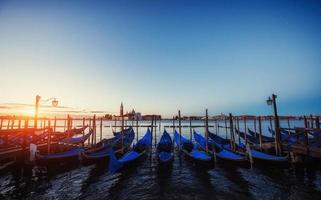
x,y
272,101
54,103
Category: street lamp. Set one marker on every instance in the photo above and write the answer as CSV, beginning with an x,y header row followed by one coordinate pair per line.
x,y
54,103
272,101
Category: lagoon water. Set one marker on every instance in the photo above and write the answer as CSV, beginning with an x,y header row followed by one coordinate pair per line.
x,y
183,180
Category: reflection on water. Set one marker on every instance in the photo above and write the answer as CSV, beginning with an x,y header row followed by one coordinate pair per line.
x,y
183,180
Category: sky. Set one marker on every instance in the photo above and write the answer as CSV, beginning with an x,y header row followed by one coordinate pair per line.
x,y
161,56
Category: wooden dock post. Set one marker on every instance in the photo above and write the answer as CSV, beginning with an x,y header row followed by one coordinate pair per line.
x,y
254,124
1,123
173,125
289,125
12,122
68,126
152,129
238,129
19,123
55,124
218,127
190,129
8,124
49,137
101,129
93,138
24,143
136,129
90,127
260,132
245,130
317,122
65,122
306,125
225,124
311,121
206,129
232,139
270,118
179,129
155,138
122,126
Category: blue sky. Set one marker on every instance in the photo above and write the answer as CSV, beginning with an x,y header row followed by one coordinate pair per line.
x,y
161,56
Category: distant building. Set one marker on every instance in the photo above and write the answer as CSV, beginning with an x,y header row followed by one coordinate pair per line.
x,y
133,115
150,117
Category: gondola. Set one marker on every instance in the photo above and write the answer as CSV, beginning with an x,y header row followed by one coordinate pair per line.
x,y
165,149
249,138
263,137
69,156
220,152
77,140
125,131
138,151
102,151
191,150
286,138
259,157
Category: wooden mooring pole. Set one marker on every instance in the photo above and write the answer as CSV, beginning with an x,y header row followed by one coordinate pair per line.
x,y
55,124
101,129
260,134
190,129
232,139
206,130
49,137
180,129
137,129
245,130
238,129
155,135
225,124
12,122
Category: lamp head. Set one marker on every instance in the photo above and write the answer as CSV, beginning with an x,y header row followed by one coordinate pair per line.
x,y
269,101
54,103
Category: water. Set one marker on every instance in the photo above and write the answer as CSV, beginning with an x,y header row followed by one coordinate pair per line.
x,y
182,181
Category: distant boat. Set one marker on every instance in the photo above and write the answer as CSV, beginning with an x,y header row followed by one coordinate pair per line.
x,y
139,149
102,152
191,150
216,145
165,149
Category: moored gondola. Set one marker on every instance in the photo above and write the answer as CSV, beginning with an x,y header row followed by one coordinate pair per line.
x,y
258,157
102,152
216,148
69,156
165,153
138,151
191,150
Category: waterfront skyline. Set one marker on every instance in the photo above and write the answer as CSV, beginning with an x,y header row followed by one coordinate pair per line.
x,y
162,56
